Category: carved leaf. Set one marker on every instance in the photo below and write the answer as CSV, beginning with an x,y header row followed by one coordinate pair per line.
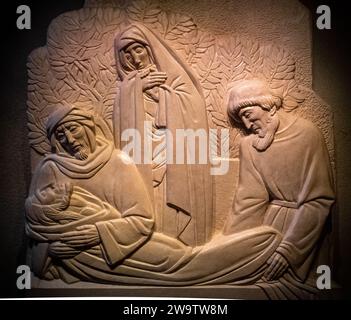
x,y
144,11
293,97
214,107
219,119
230,53
279,65
39,94
252,56
234,142
178,25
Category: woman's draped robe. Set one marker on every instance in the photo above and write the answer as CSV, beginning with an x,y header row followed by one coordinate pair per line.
x,y
182,193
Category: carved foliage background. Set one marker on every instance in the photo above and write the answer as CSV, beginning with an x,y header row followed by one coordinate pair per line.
x,y
78,64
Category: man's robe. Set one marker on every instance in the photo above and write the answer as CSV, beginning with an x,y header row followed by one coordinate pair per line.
x,y
288,186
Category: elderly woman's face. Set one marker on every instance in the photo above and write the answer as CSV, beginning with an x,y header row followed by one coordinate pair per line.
x,y
72,137
137,55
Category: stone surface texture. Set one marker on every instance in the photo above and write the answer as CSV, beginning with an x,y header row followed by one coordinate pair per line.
x,y
94,216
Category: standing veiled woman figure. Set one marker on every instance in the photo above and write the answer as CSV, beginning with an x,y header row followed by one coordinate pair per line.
x,y
158,89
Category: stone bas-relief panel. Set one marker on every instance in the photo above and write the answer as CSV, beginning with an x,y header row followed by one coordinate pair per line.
x,y
111,203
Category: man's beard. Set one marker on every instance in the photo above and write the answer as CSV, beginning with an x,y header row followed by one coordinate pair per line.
x,y
82,154
262,143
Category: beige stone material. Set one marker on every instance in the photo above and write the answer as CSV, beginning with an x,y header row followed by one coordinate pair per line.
x,y
111,204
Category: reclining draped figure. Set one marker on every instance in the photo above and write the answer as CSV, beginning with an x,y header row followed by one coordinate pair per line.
x,y
90,217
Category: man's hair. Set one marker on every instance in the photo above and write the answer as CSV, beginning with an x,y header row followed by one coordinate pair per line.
x,y
249,93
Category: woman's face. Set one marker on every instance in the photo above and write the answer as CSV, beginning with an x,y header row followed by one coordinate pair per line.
x,y
137,55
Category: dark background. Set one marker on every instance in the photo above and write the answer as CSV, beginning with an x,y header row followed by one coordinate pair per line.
x,y
331,71
15,171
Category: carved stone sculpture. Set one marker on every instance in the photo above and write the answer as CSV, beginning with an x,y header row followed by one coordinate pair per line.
x,y
110,203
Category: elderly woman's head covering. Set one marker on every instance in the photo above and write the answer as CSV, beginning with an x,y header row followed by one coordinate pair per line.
x,y
249,93
67,113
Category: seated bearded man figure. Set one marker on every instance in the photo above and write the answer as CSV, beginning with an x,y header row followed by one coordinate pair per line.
x,y
285,178
82,195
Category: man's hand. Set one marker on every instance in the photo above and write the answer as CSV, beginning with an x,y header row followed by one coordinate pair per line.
x,y
61,250
277,265
84,236
154,79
